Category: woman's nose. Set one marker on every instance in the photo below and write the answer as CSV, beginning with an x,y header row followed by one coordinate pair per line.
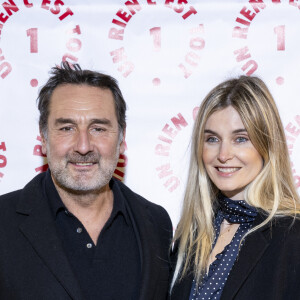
x,y
225,152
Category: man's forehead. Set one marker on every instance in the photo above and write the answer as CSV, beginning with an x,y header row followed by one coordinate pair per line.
x,y
76,99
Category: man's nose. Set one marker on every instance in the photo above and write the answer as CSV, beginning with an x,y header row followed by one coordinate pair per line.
x,y
83,143
225,152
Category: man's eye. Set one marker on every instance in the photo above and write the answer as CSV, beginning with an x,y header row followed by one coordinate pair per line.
x,y
98,129
66,128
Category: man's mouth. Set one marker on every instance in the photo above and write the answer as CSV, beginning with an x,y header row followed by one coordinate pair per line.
x,y
83,164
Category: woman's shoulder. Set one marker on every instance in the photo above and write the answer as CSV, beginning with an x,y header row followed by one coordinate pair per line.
x,y
288,223
285,229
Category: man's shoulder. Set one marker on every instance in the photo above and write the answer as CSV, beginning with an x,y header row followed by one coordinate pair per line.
x,y
133,196
32,187
10,197
136,200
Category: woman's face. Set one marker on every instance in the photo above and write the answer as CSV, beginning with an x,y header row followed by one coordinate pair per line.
x,y
229,157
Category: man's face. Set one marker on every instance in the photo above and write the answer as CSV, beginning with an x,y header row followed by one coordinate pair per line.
x,y
82,143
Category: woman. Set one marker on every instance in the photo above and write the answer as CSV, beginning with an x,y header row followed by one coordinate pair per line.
x,y
239,233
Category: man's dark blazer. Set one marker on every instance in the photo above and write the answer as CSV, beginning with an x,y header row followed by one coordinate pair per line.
x,y
33,264
267,268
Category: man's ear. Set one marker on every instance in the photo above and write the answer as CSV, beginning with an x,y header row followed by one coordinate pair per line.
x,y
44,142
123,143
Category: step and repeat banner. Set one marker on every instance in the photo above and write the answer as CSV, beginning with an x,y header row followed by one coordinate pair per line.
x,y
166,56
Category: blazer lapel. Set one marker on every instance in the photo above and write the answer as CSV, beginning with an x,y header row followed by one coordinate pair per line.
x,y
251,252
39,229
147,242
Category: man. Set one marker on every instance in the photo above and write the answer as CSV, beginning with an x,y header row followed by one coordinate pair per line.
x,y
74,232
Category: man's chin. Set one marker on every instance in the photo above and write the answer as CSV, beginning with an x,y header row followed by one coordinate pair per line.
x,y
82,189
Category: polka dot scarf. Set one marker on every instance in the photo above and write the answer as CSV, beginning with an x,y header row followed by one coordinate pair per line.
x,y
236,211
214,281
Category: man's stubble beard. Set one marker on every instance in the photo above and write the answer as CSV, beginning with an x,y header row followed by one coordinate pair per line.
x,y
79,183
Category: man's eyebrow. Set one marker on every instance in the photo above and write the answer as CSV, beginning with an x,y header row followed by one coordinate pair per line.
x,y
103,121
241,130
61,121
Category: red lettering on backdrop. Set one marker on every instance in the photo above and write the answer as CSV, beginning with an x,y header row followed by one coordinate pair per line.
x,y
133,6
290,128
242,54
191,11
239,32
257,5
179,121
3,160
192,58
169,131
195,112
57,9
174,182
57,5
252,64
10,7
73,45
3,146
163,150
292,133
3,18
246,17
42,168
76,30
69,57
123,17
119,56
119,172
164,170
247,13
67,13
116,34
179,8
37,151
27,4
44,4
4,66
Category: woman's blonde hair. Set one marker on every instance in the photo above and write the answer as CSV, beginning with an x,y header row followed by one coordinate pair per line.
x,y
272,191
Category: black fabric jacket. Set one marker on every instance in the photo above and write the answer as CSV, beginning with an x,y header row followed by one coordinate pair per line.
x,y
267,267
33,264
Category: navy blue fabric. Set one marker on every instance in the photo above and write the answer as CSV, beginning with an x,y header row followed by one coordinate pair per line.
x,y
233,211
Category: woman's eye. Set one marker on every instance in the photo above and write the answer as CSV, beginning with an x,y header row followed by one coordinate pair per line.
x,y
212,139
242,139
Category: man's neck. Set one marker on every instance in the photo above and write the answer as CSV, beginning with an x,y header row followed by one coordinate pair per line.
x,y
91,209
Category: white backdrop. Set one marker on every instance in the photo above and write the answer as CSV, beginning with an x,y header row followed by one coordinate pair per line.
x,y
166,56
